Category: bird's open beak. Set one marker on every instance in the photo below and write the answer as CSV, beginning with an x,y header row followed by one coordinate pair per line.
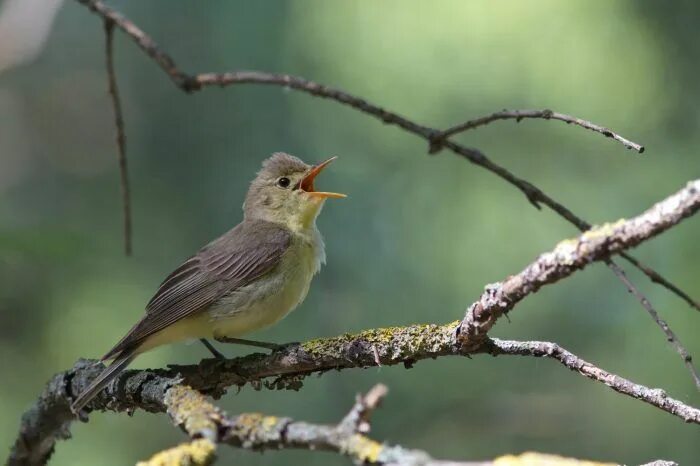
x,y
307,183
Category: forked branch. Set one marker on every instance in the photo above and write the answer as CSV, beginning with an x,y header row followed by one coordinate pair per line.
x,y
49,419
597,244
162,390
191,83
208,426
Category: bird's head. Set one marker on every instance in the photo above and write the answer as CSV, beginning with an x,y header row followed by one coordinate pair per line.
x,y
283,192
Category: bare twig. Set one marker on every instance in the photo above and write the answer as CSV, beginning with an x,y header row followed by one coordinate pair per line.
x,y
518,115
357,420
594,245
656,278
670,335
653,396
121,135
190,83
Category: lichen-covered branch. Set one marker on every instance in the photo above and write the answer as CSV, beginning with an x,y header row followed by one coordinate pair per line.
x,y
49,419
200,419
190,83
569,256
199,452
45,423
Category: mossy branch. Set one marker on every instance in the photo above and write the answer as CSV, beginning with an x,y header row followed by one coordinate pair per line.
x,y
49,419
159,390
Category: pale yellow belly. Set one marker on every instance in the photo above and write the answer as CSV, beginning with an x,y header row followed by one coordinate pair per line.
x,y
274,299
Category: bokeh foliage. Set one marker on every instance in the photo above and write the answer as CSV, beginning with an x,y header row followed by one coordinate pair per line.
x,y
417,239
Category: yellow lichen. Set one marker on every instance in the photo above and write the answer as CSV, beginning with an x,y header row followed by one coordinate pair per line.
x,y
414,337
606,229
539,459
269,422
191,409
365,450
196,453
248,422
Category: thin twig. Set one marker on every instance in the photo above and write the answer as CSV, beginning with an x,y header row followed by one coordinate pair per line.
x,y
653,396
190,83
518,115
656,278
670,335
357,419
121,135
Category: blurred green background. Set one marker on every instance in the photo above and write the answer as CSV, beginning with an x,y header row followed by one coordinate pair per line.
x,y
417,239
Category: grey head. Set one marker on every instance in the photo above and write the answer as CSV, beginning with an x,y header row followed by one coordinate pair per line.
x,y
283,192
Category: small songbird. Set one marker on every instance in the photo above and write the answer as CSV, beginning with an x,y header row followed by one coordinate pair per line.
x,y
249,278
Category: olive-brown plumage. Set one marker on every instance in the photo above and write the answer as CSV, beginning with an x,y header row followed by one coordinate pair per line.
x,y
247,279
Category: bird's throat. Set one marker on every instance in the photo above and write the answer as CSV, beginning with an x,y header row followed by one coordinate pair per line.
x,y
303,220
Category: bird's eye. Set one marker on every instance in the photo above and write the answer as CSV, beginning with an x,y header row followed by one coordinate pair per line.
x,y
283,182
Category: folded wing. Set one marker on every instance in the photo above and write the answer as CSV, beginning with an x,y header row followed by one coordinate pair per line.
x,y
237,258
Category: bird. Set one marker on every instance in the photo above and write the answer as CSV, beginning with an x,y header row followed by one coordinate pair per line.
x,y
247,279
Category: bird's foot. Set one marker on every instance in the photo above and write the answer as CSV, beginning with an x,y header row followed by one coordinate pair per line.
x,y
259,344
212,350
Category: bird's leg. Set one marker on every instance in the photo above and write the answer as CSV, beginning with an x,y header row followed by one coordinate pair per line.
x,y
211,348
240,341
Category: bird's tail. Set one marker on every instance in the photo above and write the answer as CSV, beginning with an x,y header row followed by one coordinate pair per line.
x,y
114,369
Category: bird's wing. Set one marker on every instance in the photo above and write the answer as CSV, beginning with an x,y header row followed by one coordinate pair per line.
x,y
234,260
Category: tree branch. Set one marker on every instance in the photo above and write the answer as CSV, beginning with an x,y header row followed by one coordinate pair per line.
x,y
202,420
596,244
48,420
200,452
661,323
653,396
121,135
190,83
518,115
656,278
